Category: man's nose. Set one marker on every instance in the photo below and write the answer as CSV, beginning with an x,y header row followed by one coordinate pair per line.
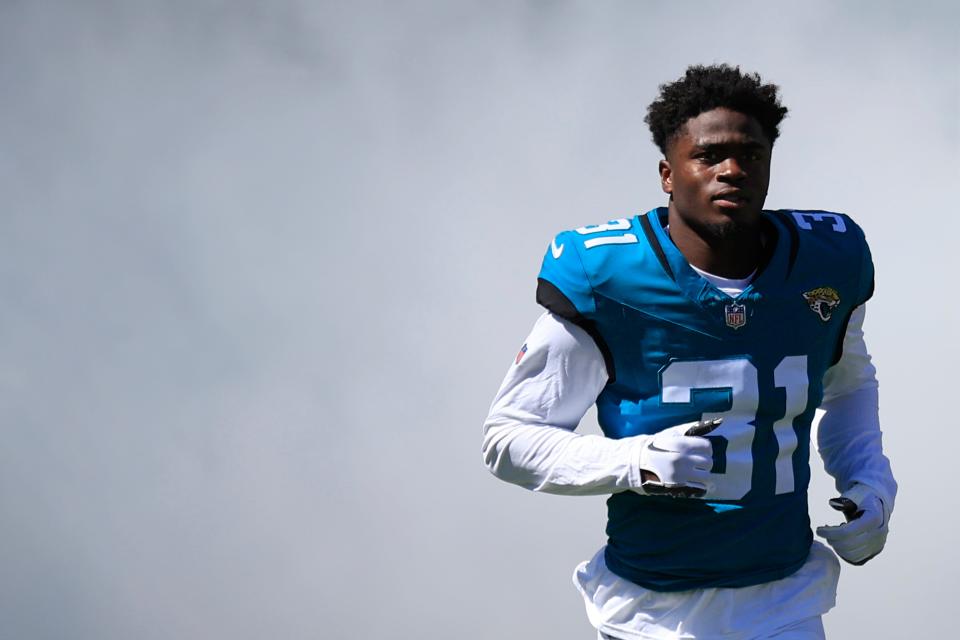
x,y
732,169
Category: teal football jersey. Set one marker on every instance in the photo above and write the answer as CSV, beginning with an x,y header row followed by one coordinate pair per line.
x,y
677,349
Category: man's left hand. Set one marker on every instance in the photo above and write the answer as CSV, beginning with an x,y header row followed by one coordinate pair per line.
x,y
865,532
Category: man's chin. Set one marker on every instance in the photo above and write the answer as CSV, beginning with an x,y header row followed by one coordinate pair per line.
x,y
729,226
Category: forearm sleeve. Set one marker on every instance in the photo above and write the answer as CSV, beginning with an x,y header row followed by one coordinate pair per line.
x,y
849,436
529,437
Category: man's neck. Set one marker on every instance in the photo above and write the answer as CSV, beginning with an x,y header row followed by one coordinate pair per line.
x,y
735,254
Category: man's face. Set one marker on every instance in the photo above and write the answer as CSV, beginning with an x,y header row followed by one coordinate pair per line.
x,y
717,171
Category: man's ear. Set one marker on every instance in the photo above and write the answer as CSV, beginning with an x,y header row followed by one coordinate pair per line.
x,y
666,177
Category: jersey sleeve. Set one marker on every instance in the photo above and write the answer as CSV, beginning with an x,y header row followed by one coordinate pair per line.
x,y
562,285
837,240
565,290
837,245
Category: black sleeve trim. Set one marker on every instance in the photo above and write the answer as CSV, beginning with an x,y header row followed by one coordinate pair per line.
x,y
838,351
838,348
870,290
867,259
553,300
655,245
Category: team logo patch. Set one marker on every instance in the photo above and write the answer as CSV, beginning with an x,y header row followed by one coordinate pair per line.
x,y
523,350
735,315
823,301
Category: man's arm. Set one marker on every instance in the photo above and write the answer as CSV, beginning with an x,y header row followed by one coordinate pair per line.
x,y
850,442
529,436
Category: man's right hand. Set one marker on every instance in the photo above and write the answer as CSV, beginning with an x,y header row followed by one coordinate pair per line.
x,y
676,462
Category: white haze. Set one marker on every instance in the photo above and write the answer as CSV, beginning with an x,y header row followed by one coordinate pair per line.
x,y
263,266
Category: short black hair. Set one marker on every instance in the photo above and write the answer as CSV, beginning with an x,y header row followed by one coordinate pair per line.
x,y
703,88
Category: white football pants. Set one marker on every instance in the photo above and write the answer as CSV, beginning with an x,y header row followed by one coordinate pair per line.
x,y
807,629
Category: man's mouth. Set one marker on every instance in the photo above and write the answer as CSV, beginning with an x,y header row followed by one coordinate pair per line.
x,y
733,198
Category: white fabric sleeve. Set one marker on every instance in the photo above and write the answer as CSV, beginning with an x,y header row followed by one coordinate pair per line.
x,y
528,437
849,436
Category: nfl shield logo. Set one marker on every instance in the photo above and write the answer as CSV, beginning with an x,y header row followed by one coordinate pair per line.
x,y
736,315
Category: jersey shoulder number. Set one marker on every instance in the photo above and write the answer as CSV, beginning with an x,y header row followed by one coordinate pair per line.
x,y
565,283
834,243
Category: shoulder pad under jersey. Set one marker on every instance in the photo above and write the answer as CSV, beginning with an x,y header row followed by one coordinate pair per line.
x,y
565,285
828,238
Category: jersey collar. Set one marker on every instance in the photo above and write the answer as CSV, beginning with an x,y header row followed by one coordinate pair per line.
x,y
694,286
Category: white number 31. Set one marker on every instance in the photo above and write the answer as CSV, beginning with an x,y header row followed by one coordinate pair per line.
x,y
680,378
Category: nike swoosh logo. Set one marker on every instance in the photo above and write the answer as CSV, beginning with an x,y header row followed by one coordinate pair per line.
x,y
555,250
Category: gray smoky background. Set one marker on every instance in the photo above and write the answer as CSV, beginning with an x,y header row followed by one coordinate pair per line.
x,y
264,264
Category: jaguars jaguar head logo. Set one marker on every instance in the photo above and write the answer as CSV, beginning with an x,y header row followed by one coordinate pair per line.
x,y
823,301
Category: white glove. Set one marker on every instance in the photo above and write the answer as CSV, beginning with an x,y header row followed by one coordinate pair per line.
x,y
676,462
865,532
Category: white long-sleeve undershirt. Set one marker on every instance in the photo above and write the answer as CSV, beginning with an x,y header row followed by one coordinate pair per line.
x,y
530,440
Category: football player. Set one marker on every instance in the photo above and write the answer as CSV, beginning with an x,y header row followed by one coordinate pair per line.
x,y
707,332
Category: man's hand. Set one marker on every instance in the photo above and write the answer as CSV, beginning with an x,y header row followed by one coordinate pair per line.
x,y
865,532
676,462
